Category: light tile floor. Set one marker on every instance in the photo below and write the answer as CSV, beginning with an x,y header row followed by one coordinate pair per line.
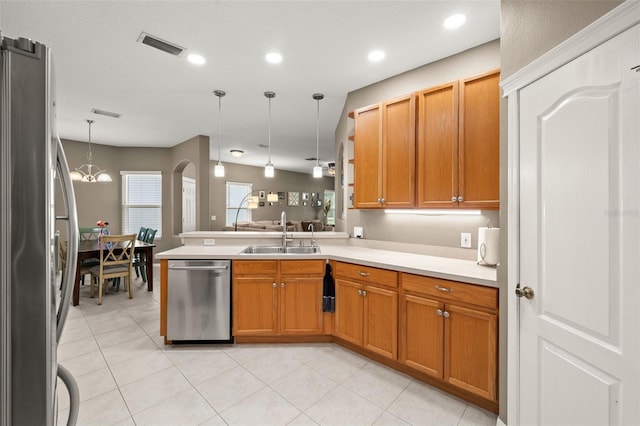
x,y
127,376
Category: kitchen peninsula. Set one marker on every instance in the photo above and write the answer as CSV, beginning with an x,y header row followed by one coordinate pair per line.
x,y
406,306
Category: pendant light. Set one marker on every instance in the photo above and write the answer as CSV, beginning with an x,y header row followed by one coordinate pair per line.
x,y
317,170
218,170
85,173
268,168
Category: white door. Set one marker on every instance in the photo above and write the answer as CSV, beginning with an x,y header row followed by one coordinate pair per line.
x,y
188,204
580,240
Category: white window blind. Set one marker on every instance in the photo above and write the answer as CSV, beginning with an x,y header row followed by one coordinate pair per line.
x,y
236,194
141,201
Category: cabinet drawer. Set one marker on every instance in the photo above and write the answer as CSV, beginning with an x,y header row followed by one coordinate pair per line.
x,y
249,267
297,267
451,290
367,274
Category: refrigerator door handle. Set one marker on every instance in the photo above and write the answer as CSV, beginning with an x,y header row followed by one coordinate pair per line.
x,y
72,244
74,394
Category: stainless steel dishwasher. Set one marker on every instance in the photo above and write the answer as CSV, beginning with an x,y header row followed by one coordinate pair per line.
x,y
199,300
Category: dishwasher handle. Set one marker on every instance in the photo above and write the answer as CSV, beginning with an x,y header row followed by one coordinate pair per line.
x,y
198,268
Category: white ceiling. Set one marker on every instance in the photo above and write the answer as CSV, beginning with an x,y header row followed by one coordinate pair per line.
x,y
165,100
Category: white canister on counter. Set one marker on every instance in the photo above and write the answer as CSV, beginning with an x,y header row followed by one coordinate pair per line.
x,y
488,246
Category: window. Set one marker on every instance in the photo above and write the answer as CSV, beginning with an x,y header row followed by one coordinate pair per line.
x,y
237,193
141,201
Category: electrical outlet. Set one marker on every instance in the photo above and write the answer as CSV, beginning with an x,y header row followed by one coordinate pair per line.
x,y
213,218
209,242
465,240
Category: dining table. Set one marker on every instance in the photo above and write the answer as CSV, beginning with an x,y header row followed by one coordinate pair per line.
x,y
90,249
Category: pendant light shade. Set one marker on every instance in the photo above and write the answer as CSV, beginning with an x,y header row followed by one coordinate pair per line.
x,y
317,170
89,172
218,170
268,168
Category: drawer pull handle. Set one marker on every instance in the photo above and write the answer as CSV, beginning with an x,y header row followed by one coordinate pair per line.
x,y
444,289
363,274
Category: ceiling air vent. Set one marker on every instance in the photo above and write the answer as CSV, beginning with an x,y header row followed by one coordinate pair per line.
x,y
107,113
160,44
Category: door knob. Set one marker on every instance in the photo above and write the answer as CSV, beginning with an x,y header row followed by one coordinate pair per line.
x,y
524,291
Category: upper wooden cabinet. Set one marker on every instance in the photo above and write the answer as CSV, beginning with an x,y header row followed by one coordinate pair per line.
x,y
384,154
479,142
439,148
458,138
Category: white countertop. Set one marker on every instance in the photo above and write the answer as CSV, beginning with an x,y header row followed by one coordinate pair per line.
x,y
440,267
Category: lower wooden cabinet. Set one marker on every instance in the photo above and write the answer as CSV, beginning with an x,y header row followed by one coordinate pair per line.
x,y
449,330
272,297
367,314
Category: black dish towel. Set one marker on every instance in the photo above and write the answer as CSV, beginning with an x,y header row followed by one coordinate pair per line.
x,y
328,291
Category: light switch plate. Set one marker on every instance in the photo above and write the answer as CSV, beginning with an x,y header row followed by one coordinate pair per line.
x,y
213,218
465,240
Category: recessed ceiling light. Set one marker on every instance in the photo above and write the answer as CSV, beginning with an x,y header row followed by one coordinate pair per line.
x,y
376,56
454,21
273,57
196,59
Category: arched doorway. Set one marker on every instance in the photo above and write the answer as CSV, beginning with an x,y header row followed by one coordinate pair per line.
x,y
185,212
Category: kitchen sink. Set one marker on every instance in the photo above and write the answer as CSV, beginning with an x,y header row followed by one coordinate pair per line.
x,y
303,250
280,250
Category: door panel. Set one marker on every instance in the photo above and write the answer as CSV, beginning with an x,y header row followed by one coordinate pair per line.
x,y
399,152
255,305
470,357
421,344
579,236
479,142
301,306
438,146
381,321
368,157
349,311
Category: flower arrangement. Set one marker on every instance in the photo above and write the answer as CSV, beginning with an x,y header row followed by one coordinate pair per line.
x,y
102,223
327,206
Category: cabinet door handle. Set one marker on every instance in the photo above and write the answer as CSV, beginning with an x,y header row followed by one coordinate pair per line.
x,y
446,314
360,292
364,292
282,285
382,201
454,199
444,289
460,199
439,312
274,285
363,274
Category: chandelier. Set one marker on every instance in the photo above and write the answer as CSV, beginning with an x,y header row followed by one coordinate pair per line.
x,y
89,172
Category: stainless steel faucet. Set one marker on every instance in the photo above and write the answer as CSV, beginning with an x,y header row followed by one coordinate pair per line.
x,y
283,222
313,240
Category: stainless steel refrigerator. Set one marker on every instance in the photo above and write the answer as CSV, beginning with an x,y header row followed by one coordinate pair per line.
x,y
33,303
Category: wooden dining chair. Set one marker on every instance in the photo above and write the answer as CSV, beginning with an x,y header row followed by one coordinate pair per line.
x,y
88,233
116,261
